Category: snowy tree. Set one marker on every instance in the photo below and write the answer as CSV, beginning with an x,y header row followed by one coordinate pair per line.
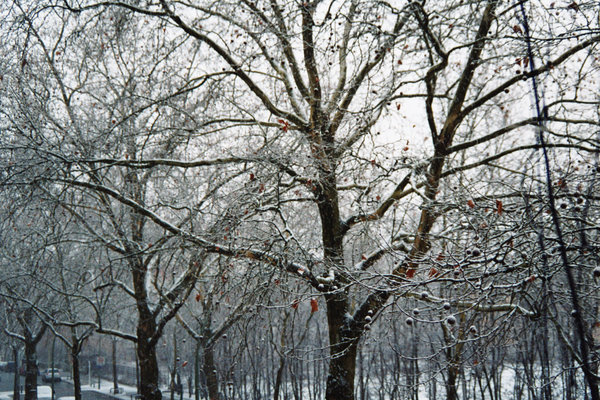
x,y
374,151
23,264
101,107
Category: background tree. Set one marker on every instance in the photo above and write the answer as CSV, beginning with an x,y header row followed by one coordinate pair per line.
x,y
68,98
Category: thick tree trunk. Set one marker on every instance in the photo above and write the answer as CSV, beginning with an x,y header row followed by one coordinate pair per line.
x,y
342,350
30,371
342,367
146,352
146,333
342,339
212,383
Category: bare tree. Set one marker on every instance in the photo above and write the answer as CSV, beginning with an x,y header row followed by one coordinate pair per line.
x,y
366,148
122,94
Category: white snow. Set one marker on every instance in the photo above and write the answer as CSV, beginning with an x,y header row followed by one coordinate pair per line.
x,y
327,279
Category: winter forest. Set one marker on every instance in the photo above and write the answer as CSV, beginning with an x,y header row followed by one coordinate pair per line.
x,y
287,199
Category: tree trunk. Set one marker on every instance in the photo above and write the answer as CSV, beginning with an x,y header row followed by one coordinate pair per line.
x,y
279,377
146,352
197,371
146,332
115,375
173,384
16,384
75,372
451,392
52,352
30,371
342,350
342,339
210,373
342,367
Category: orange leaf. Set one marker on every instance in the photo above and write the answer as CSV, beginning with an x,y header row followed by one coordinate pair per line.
x,y
499,207
410,272
314,305
471,204
198,297
433,272
284,125
295,304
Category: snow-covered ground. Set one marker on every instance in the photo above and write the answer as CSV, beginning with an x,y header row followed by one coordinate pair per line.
x,y
44,392
105,387
511,381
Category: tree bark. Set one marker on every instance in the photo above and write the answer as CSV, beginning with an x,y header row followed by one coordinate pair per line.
x,y
197,371
451,392
30,370
146,352
210,373
342,350
342,367
114,367
146,333
75,372
342,339
279,378
146,345
16,384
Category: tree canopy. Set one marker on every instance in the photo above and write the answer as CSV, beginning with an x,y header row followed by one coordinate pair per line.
x,y
440,157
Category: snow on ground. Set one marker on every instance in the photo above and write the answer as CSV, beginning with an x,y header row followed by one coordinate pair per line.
x,y
126,392
510,381
105,387
44,392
